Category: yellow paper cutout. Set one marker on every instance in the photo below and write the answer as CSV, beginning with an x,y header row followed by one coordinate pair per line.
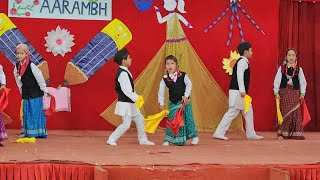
x,y
228,63
119,32
5,23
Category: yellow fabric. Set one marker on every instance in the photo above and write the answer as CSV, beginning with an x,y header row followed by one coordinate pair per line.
x,y
209,102
151,123
247,101
21,112
26,140
279,115
139,102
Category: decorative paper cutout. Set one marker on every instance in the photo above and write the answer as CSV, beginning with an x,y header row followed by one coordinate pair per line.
x,y
234,6
97,52
10,37
143,5
228,63
59,41
23,9
170,6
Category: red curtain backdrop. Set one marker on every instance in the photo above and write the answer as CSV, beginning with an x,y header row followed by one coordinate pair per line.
x,y
299,28
90,99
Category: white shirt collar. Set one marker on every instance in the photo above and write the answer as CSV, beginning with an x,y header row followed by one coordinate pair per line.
x,y
245,58
125,68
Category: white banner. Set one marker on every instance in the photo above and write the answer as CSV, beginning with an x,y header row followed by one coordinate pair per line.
x,y
61,9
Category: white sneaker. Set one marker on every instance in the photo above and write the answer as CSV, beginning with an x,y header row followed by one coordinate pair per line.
x,y
217,136
195,141
256,137
166,143
112,143
147,143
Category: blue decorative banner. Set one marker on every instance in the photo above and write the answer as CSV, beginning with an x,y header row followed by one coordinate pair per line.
x,y
61,9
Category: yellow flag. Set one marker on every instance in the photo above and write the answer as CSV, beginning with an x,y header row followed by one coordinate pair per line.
x,y
247,102
139,102
152,122
280,118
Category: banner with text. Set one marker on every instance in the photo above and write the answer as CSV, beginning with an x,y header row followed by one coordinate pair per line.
x,y
61,9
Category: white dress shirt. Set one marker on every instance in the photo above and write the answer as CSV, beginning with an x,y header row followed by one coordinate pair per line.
x,y
174,77
126,108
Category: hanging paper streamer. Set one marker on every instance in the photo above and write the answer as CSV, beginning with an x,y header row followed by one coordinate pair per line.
x,y
10,37
234,5
97,52
228,63
143,5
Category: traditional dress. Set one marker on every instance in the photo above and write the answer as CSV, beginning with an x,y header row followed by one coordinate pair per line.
x,y
3,134
179,85
290,83
127,109
32,87
240,81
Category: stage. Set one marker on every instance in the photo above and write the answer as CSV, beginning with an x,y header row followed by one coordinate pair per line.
x,y
270,158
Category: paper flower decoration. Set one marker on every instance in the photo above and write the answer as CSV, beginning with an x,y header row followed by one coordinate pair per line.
x,y
59,41
229,63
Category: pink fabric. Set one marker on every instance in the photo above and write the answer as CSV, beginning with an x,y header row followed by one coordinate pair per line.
x,y
62,98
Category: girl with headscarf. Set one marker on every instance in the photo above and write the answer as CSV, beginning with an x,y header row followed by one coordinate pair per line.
x,y
32,87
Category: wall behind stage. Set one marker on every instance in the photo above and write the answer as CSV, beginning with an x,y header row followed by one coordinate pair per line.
x,y
91,98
